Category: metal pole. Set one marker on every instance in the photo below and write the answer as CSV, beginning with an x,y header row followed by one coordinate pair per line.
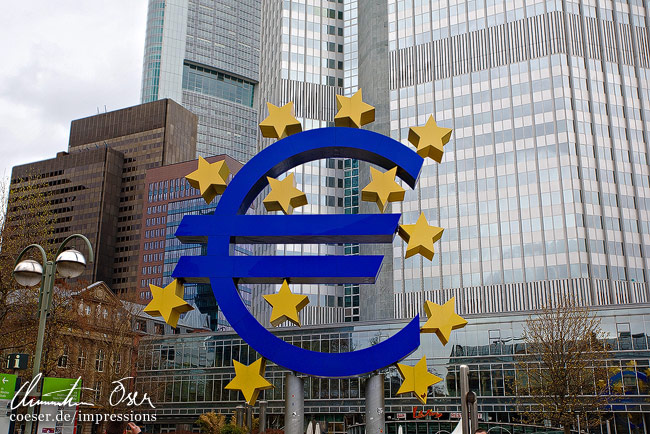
x,y
249,419
464,389
375,415
473,411
239,415
294,403
45,299
263,405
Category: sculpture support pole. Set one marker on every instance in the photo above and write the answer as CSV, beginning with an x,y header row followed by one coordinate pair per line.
x,y
239,415
464,390
375,414
263,405
294,415
249,419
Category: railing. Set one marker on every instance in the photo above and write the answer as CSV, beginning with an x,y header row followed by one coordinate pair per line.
x,y
446,427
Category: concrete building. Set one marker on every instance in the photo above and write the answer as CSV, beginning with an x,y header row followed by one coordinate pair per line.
x,y
205,55
97,187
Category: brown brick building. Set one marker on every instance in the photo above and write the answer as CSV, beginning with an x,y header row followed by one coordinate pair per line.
x,y
97,188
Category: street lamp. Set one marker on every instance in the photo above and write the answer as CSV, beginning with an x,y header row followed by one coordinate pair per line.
x,y
69,263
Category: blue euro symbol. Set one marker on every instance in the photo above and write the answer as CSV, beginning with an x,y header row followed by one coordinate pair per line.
x,y
229,224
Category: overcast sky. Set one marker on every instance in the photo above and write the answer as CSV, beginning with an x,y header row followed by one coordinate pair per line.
x,y
62,60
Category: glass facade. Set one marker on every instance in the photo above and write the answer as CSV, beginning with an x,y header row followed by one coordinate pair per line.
x,y
545,178
204,54
188,374
543,189
170,197
200,294
216,83
153,51
302,61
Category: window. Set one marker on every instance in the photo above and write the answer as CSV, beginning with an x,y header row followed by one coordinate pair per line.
x,y
215,83
159,329
118,362
99,361
63,360
81,360
98,391
141,326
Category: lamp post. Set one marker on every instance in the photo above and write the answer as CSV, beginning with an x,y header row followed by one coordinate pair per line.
x,y
69,263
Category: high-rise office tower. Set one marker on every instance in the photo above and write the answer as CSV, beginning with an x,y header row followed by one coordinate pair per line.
x,y
223,62
204,54
544,186
302,62
97,188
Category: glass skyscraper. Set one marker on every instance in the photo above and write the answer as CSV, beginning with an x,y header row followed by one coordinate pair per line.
x,y
302,61
543,189
204,54
544,186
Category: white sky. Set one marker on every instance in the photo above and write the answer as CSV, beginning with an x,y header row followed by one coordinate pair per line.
x,y
59,61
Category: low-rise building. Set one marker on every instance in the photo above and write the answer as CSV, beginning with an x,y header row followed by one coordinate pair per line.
x,y
195,368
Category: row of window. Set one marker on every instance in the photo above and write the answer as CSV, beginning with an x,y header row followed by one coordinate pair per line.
x,y
154,245
156,269
155,233
144,283
82,356
216,83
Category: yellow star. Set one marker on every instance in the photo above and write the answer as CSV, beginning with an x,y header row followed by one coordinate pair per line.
x,y
430,139
249,380
209,179
420,237
280,122
286,305
442,319
382,189
417,379
168,302
284,195
353,112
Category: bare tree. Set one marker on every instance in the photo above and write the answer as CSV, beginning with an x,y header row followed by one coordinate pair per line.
x,y
563,377
25,218
97,343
